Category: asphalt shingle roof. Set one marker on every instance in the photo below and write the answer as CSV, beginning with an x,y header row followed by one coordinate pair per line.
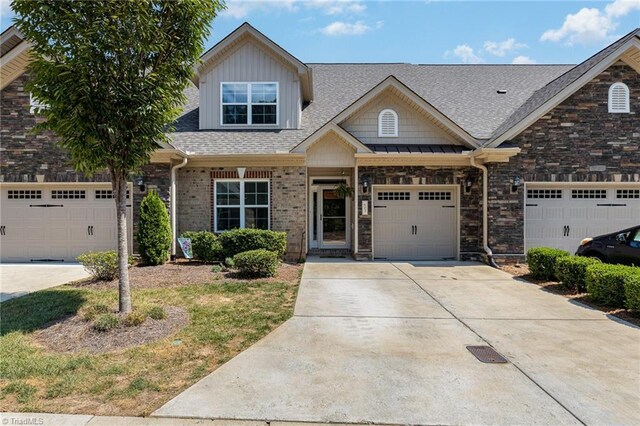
x,y
467,94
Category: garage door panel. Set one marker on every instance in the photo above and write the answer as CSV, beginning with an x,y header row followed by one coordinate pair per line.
x,y
561,217
56,233
420,224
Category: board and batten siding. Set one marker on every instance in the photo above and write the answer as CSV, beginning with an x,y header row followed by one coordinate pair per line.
x,y
250,63
413,126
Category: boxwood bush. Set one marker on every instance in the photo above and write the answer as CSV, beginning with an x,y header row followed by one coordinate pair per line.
x,y
257,263
205,245
102,265
154,230
606,283
632,290
241,240
571,270
542,261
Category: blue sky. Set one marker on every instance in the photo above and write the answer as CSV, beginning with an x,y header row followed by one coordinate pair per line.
x,y
430,31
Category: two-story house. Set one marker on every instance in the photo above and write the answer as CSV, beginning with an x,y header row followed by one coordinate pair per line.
x,y
436,161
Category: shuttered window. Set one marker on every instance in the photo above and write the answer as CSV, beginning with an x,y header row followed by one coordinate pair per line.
x,y
618,98
387,124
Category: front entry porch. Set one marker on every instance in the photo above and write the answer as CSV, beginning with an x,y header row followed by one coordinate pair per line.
x,y
330,223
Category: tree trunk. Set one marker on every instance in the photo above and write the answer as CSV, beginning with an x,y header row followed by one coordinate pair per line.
x,y
119,182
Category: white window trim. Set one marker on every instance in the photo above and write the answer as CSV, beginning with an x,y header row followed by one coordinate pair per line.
x,y
242,205
248,104
395,129
627,106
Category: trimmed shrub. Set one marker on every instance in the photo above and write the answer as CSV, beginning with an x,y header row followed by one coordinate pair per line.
x,y
205,245
91,312
156,313
542,261
105,322
241,240
632,291
154,230
257,263
606,283
571,270
102,265
134,318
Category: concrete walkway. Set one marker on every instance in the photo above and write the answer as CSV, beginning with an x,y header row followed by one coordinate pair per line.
x,y
19,279
386,343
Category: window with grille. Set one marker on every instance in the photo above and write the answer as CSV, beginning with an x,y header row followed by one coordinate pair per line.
x,y
394,196
249,103
434,195
106,194
241,204
68,194
628,193
588,193
544,193
24,194
618,98
387,124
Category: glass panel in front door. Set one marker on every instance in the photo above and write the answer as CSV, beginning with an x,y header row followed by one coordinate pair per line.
x,y
334,218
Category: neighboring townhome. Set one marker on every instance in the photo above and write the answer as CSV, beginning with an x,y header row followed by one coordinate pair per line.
x,y
384,161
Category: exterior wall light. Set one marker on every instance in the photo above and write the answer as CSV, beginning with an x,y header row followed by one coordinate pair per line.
x,y
515,184
467,184
365,186
139,182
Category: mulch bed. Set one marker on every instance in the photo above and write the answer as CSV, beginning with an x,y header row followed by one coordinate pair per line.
x,y
522,271
74,334
185,273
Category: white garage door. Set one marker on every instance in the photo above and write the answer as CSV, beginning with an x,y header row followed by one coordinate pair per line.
x,y
48,223
414,224
560,217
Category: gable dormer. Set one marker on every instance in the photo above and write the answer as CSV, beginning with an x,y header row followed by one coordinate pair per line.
x,y
247,81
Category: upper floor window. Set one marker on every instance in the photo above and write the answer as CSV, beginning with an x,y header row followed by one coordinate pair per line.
x,y
387,124
618,97
249,103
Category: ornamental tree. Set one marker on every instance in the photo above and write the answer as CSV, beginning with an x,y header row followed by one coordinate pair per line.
x,y
112,75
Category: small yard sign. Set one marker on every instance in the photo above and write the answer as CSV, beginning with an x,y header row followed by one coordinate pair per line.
x,y
185,246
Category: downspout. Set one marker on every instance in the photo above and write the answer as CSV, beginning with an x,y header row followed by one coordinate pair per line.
x,y
485,211
173,203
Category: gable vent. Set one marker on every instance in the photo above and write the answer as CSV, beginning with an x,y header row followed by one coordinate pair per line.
x,y
387,124
618,98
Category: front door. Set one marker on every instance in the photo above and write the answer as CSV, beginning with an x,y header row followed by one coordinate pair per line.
x,y
329,218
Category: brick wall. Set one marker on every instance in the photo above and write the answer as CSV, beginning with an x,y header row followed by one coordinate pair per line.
x,y
470,208
288,200
578,141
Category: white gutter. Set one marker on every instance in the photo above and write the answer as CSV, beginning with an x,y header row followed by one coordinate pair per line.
x,y
173,203
485,210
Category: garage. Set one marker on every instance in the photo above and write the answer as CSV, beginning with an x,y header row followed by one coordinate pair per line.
x,y
56,222
415,223
561,216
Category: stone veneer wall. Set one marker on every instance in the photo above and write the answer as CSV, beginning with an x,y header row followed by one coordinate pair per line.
x,y
25,155
578,141
470,207
288,201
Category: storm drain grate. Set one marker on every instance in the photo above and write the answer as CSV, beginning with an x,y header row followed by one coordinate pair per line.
x,y
487,354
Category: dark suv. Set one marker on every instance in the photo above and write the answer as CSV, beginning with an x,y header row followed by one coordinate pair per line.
x,y
619,247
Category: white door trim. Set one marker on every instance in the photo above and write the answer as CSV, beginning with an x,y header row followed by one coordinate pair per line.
x,y
450,187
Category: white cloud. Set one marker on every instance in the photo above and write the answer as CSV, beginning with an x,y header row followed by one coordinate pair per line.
x,y
336,7
340,28
523,60
240,9
5,8
591,25
466,54
500,48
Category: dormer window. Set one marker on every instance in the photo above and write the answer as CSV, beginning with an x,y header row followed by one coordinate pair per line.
x,y
249,103
618,98
388,124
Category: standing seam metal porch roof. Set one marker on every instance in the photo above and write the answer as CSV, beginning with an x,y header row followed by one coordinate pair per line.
x,y
467,94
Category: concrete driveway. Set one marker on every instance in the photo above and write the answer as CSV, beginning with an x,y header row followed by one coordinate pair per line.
x,y
18,279
386,343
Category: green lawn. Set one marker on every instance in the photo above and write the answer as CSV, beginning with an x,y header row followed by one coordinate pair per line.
x,y
225,318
